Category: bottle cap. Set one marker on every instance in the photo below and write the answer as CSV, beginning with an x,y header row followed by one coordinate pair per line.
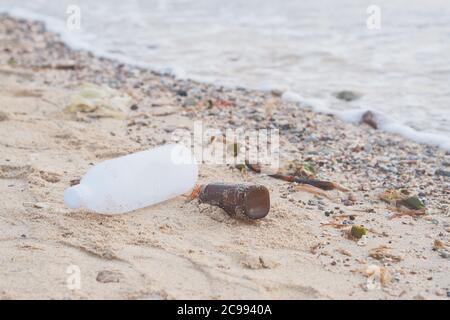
x,y
74,197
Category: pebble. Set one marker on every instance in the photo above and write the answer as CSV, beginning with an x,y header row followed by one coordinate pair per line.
x,y
363,241
311,138
284,125
182,93
107,276
443,173
347,202
3,116
189,102
347,95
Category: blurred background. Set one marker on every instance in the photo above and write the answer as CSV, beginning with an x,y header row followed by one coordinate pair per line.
x,y
393,56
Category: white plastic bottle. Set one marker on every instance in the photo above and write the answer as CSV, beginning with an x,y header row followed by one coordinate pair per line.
x,y
135,181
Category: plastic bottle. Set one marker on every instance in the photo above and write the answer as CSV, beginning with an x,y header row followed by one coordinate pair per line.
x,y
135,181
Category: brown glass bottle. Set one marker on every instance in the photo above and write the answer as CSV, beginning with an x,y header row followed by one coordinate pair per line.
x,y
252,201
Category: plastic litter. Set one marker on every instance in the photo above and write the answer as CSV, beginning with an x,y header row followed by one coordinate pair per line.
x,y
135,181
358,231
99,101
252,201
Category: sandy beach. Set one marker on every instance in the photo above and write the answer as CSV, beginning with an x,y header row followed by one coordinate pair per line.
x,y
181,249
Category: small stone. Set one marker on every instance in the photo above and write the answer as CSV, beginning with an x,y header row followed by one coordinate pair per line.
x,y
438,244
370,119
347,95
276,93
134,107
182,93
3,116
190,102
107,276
311,138
347,202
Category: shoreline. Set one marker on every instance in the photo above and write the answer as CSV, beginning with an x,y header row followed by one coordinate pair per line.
x,y
181,249
385,122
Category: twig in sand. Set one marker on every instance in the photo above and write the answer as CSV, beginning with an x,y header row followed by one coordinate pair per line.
x,y
334,224
324,185
345,216
164,114
312,189
59,66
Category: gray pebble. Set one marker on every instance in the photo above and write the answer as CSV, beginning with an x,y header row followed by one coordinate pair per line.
x,y
444,254
443,173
